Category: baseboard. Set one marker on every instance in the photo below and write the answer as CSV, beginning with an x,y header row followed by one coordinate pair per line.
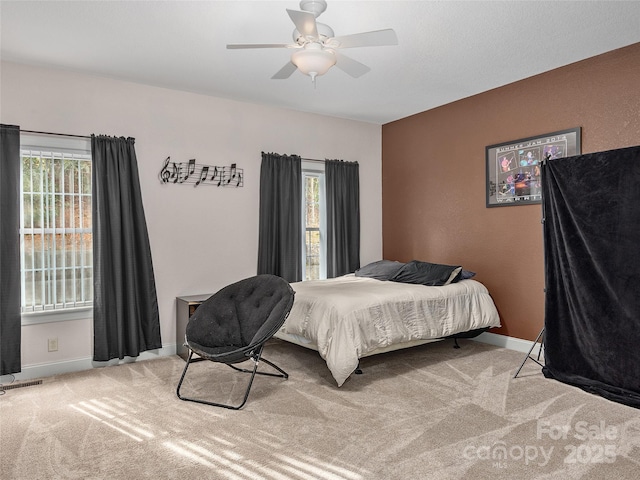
x,y
30,372
503,341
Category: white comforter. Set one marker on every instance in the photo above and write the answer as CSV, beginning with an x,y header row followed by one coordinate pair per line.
x,y
348,317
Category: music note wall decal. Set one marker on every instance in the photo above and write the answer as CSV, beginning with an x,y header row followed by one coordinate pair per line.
x,y
196,174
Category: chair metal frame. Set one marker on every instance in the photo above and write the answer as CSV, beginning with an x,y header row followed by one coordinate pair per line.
x,y
254,355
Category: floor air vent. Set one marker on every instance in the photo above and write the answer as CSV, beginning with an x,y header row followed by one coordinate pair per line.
x,y
11,386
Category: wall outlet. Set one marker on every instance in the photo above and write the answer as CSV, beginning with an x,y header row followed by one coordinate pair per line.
x,y
53,344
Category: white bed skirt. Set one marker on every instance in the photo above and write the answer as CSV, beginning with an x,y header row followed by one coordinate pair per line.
x,y
303,342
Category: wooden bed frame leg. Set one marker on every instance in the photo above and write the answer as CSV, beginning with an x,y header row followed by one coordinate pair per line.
x,y
455,343
358,370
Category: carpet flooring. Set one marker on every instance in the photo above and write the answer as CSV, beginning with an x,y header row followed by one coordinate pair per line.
x,y
430,412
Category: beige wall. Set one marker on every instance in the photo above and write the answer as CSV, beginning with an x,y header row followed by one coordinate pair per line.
x,y
201,238
433,175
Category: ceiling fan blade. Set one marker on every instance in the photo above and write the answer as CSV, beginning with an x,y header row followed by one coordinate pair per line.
x,y
285,72
305,23
377,38
258,45
350,66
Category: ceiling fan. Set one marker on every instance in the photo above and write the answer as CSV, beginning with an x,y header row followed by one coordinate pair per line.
x,y
317,46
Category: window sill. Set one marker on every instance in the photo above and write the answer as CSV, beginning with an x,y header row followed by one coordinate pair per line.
x,y
51,316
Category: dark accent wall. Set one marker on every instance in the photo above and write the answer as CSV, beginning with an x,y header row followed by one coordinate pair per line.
x,y
433,175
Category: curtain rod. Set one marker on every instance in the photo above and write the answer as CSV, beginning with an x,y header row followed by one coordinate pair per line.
x,y
322,161
56,134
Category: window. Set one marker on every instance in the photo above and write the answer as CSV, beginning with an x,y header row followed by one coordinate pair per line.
x,y
55,236
314,243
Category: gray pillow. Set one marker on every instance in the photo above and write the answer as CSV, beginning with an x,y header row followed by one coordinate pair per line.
x,y
425,273
380,270
466,274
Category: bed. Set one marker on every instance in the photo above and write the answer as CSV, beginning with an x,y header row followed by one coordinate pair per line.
x,y
350,317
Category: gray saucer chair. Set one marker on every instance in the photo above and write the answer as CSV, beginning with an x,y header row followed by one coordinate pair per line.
x,y
233,325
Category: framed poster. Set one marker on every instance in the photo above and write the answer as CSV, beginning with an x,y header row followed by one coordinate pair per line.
x,y
513,168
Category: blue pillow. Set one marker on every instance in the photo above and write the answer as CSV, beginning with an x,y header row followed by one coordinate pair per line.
x,y
466,274
380,270
425,273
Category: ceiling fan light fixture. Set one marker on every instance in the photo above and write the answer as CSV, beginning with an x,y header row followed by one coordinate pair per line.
x,y
317,46
313,60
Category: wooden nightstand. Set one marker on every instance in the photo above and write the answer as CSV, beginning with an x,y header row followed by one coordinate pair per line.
x,y
185,306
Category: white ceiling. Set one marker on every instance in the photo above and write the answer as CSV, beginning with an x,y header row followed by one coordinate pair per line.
x,y
447,50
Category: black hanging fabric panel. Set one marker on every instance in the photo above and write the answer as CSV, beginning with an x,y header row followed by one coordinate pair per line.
x,y
591,209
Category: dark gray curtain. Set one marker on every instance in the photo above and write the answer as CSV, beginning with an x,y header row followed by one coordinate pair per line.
x,y
280,224
9,249
343,217
591,207
125,309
